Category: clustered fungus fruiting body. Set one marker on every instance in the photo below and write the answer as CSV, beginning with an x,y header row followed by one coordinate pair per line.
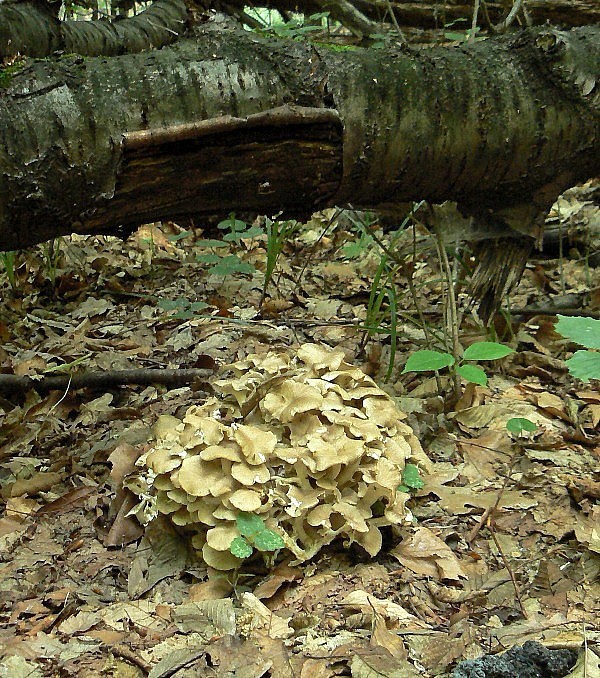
x,y
307,442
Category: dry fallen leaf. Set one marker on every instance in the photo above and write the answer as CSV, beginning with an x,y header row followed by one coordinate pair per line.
x,y
424,553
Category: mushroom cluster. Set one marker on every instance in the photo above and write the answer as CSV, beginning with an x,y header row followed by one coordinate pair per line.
x,y
307,442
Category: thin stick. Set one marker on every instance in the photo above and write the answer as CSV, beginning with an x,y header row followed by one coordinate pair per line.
x,y
474,23
490,526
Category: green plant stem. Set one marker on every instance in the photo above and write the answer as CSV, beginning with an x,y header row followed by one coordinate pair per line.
x,y
409,276
413,294
277,234
334,216
451,312
8,259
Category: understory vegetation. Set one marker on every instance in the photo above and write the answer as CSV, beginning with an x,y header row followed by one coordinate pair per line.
x,y
354,444
499,527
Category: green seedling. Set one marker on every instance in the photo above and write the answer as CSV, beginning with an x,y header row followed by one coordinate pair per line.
x,y
382,307
434,361
519,426
51,254
184,309
180,236
382,311
8,261
378,311
254,534
411,479
359,247
229,264
583,365
238,230
278,232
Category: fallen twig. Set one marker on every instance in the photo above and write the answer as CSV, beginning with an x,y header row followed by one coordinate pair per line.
x,y
108,379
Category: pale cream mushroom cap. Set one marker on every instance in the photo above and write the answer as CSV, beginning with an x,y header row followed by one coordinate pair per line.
x,y
256,444
320,357
220,538
250,475
200,478
220,560
165,424
165,460
245,500
290,399
229,451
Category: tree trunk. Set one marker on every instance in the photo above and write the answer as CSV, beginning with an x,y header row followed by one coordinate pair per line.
x,y
431,14
227,120
31,28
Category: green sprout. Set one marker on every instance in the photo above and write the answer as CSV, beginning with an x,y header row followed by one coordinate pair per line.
x,y
182,307
519,426
411,479
8,260
228,264
434,361
254,534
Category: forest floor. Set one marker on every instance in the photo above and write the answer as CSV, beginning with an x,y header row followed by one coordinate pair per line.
x,y
504,545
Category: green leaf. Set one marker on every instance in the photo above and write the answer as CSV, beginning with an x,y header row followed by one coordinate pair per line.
x,y
252,232
267,540
584,365
172,304
352,250
518,425
584,331
411,477
183,315
454,35
249,524
208,258
473,373
240,548
198,306
211,243
424,361
232,224
486,350
185,309
230,265
179,236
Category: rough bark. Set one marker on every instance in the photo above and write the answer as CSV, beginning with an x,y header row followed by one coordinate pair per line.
x,y
432,14
501,126
31,28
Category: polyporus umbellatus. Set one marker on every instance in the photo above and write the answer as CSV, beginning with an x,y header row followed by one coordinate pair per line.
x,y
307,442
